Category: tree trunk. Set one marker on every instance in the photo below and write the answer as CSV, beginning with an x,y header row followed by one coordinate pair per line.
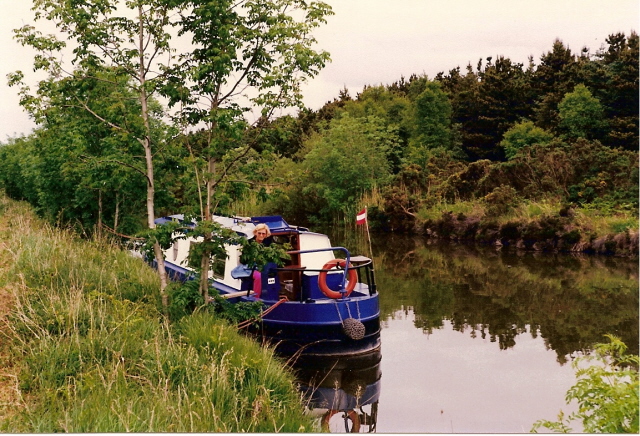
x,y
117,214
206,255
146,144
204,277
99,230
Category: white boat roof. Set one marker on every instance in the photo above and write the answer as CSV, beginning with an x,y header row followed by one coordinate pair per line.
x,y
244,225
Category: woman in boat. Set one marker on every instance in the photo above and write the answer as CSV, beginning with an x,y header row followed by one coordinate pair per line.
x,y
262,235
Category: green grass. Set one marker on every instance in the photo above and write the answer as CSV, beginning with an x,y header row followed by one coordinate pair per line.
x,y
588,221
92,353
600,224
466,208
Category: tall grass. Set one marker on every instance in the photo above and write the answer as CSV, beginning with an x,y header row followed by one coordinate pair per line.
x,y
588,221
92,353
248,205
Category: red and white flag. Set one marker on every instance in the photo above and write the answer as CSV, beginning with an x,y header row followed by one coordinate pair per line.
x,y
361,218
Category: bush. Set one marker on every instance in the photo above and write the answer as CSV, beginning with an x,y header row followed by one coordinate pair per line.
x,y
607,392
501,200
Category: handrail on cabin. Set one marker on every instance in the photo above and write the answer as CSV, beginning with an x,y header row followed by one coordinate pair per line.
x,y
317,250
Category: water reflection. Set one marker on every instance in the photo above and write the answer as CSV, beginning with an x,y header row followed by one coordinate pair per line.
x,y
570,300
342,392
476,339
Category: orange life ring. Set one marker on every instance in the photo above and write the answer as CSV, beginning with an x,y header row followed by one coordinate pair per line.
x,y
351,414
322,279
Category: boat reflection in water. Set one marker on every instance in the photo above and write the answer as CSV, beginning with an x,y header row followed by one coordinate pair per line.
x,y
342,392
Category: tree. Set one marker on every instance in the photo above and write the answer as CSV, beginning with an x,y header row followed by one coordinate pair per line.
x,y
392,108
552,79
616,86
237,56
433,117
345,161
581,115
431,126
523,134
246,56
487,102
103,34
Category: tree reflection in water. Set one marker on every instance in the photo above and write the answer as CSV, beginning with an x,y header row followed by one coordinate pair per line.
x,y
571,301
486,327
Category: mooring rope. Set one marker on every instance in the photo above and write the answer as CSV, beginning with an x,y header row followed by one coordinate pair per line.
x,y
248,322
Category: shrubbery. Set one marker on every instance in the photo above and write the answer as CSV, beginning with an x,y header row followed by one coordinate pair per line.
x,y
606,392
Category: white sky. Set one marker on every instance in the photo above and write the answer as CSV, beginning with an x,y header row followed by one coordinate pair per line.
x,y
376,42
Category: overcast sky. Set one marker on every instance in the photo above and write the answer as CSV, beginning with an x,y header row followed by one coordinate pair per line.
x,y
376,42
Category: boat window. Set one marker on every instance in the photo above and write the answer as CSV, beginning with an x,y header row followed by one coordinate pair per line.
x,y
218,267
313,241
175,250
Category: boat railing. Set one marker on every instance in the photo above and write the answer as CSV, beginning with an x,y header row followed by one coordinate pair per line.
x,y
351,262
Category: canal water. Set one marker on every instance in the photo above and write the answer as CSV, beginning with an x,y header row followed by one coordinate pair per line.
x,y
475,339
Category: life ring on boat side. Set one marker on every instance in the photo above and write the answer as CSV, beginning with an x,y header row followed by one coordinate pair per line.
x,y
351,414
322,279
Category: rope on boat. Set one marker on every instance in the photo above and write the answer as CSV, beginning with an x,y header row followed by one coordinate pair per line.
x,y
248,322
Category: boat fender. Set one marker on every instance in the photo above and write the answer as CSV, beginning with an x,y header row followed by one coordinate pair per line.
x,y
353,328
322,278
350,414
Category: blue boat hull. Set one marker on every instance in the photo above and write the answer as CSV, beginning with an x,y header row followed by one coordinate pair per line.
x,y
317,328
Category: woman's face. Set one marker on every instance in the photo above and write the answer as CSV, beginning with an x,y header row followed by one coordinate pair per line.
x,y
260,235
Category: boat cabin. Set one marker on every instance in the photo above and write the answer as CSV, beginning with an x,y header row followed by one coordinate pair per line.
x,y
297,280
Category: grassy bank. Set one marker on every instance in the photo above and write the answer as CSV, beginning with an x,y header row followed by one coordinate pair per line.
x,y
545,225
84,349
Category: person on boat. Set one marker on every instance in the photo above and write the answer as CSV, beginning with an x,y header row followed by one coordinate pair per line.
x,y
262,235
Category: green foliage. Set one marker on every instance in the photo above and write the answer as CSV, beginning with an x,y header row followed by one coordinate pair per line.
x,y
433,117
606,391
379,102
393,110
523,134
346,160
581,114
211,240
162,235
235,313
313,168
258,255
184,298
501,200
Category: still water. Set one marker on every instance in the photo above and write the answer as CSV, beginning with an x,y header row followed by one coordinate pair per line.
x,y
475,339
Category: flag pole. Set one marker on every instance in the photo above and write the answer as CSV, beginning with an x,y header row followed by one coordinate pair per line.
x,y
368,234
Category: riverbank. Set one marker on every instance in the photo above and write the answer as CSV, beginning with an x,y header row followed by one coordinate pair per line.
x,y
85,349
549,234
542,226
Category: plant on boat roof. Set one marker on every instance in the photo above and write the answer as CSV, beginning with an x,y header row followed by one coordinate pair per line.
x,y
258,255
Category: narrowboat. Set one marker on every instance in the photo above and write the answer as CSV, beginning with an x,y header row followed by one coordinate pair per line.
x,y
323,301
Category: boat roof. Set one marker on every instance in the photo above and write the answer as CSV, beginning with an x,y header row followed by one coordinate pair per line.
x,y
244,225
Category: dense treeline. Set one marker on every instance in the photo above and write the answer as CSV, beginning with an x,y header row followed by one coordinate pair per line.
x,y
501,134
